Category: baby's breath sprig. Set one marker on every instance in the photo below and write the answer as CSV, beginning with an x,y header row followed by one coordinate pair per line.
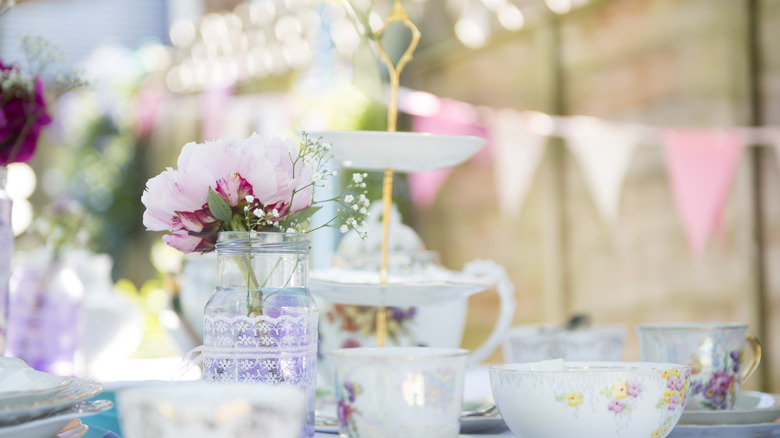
x,y
352,201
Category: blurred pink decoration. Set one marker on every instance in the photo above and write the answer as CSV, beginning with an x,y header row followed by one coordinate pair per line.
x,y
214,104
516,156
453,118
148,103
701,166
425,186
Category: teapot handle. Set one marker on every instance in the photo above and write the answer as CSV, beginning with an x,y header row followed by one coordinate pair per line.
x,y
506,295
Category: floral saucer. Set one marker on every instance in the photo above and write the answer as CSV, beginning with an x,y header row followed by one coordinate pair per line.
x,y
434,285
755,414
751,408
760,430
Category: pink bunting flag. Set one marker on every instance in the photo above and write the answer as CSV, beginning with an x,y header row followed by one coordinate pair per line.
x,y
701,166
453,118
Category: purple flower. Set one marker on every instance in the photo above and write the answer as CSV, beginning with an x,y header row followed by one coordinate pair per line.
x,y
616,406
675,383
344,412
720,382
350,391
22,116
674,401
736,356
634,389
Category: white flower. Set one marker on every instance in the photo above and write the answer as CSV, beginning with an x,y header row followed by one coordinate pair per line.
x,y
348,198
326,184
343,229
334,173
354,207
258,212
358,178
275,212
250,199
316,177
363,210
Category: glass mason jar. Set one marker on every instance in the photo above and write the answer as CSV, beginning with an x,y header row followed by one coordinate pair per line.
x,y
260,325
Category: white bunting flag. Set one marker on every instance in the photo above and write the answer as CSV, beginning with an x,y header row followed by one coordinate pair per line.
x,y
517,152
604,152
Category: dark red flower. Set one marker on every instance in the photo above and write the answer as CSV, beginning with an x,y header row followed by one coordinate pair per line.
x,y
22,116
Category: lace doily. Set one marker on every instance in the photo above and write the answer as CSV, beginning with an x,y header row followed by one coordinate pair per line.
x,y
260,349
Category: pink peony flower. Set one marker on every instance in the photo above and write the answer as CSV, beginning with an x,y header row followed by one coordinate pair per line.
x,y
22,115
267,171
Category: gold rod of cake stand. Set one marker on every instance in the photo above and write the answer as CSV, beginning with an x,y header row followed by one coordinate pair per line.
x,y
387,199
397,15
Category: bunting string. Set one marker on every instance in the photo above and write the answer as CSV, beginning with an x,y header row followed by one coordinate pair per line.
x,y
700,162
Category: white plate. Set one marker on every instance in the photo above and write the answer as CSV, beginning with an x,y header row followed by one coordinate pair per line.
x,y
750,408
762,430
362,288
400,151
48,426
78,390
22,385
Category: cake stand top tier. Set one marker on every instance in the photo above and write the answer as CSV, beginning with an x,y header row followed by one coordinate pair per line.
x,y
400,151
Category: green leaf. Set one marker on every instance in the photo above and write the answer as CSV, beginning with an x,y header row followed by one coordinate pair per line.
x,y
218,207
302,215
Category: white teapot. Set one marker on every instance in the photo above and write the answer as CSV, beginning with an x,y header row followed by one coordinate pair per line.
x,y
426,303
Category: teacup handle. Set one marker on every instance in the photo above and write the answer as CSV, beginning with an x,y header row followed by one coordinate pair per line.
x,y
755,359
506,295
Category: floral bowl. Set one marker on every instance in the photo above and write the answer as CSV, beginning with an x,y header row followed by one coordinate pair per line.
x,y
552,399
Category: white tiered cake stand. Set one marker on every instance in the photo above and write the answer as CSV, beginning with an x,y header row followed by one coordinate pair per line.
x,y
409,152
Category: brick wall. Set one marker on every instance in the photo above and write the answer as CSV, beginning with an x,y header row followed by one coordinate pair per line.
x,y
658,62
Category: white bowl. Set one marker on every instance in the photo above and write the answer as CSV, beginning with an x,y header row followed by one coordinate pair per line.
x,y
200,410
554,399
535,342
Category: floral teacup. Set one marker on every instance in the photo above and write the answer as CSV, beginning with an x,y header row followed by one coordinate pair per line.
x,y
411,392
715,352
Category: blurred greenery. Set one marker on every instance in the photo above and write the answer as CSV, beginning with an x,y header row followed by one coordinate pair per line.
x,y
104,174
